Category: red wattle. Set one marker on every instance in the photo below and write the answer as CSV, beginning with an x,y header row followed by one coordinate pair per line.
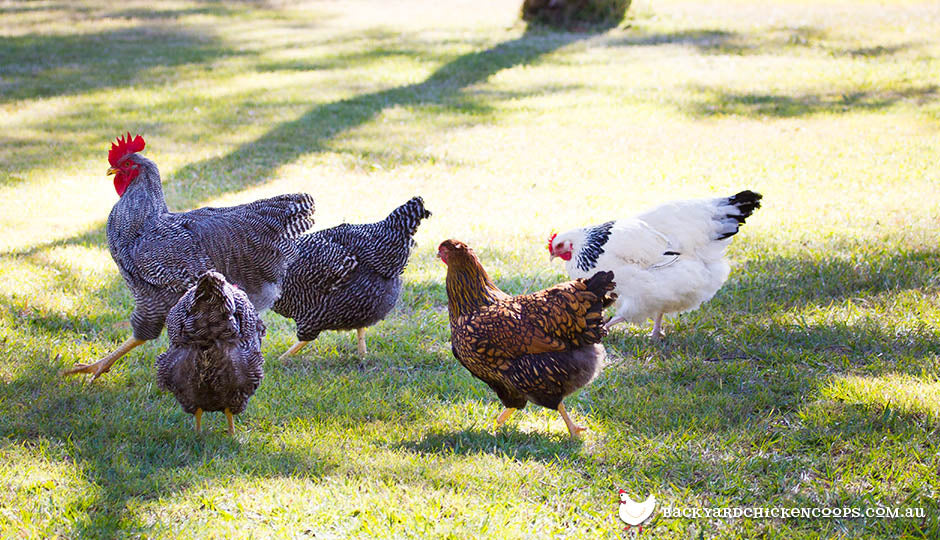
x,y
566,256
119,185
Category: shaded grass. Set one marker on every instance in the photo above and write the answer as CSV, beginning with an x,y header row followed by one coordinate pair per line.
x,y
809,380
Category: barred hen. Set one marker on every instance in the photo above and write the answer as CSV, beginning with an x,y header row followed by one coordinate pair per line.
x,y
161,254
214,362
537,347
349,277
667,260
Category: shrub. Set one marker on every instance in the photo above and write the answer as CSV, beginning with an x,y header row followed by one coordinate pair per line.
x,y
575,13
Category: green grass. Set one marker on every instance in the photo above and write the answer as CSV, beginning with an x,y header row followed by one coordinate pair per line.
x,y
810,380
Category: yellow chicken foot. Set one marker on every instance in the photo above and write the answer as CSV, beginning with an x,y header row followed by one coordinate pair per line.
x,y
657,332
503,416
231,422
102,366
293,350
361,336
198,420
573,428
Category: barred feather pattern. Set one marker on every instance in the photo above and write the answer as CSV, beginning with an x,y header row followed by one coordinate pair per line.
x,y
537,347
594,240
161,254
349,276
214,359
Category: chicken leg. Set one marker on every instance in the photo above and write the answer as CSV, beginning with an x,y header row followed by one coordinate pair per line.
x,y
198,416
657,333
573,428
613,320
503,416
102,366
231,421
293,350
361,337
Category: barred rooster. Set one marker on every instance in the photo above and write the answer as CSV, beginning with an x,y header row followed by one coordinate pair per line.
x,y
349,277
667,260
214,362
537,347
161,254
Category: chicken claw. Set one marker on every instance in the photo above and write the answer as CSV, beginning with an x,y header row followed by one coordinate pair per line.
x,y
293,350
574,429
102,366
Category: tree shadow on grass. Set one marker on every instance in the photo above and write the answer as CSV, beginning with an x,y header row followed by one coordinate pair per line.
x,y
132,444
251,163
506,441
35,65
817,278
719,102
773,40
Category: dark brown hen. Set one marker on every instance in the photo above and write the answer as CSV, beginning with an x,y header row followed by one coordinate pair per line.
x,y
161,254
537,347
214,361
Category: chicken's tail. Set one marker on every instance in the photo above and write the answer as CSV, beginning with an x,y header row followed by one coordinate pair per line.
x,y
212,312
734,210
601,284
410,214
291,213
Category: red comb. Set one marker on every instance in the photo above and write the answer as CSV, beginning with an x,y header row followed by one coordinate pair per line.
x,y
123,147
550,240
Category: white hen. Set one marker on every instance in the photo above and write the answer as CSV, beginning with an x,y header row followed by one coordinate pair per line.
x,y
667,260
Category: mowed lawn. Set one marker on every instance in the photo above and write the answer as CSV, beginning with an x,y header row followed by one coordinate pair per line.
x,y
810,380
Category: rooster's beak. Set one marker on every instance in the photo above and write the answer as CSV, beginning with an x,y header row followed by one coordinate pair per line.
x,y
113,170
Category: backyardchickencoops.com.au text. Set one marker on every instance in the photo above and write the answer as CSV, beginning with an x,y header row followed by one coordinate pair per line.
x,y
777,512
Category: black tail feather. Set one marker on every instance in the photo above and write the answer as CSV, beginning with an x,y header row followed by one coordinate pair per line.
x,y
601,284
745,203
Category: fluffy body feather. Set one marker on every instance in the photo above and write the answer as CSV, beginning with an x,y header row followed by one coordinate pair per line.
x,y
160,254
667,260
537,347
214,361
349,277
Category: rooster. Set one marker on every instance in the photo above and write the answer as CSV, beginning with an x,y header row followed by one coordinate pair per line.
x,y
214,360
349,277
537,347
667,260
160,254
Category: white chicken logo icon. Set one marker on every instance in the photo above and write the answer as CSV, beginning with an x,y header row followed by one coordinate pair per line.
x,y
633,513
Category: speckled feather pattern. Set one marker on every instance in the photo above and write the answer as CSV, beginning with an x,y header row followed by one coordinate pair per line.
x,y
538,347
214,359
349,276
161,254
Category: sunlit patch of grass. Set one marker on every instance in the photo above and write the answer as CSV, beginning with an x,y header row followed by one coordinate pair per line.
x,y
891,393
